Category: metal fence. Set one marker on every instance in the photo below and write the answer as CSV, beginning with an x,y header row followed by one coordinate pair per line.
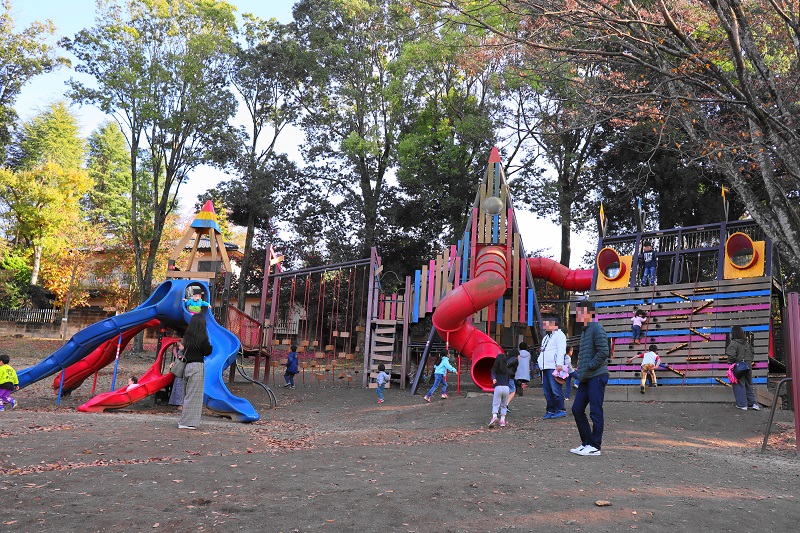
x,y
31,316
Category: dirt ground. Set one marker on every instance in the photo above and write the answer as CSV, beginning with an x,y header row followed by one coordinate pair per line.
x,y
332,459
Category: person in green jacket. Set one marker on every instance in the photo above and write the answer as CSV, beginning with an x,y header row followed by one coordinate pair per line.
x,y
8,382
592,374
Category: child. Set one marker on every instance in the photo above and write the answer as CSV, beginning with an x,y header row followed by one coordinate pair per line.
x,y
650,360
571,372
381,380
195,305
440,371
500,379
291,367
8,382
650,264
133,382
639,318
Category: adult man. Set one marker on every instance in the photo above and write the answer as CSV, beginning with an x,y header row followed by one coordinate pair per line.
x,y
554,349
592,380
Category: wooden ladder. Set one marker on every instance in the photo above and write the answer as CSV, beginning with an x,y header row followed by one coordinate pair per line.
x,y
381,349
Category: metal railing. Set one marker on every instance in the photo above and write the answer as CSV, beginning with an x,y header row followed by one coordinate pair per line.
x,y
31,316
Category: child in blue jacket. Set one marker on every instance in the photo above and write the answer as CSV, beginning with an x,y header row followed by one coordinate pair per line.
x,y
291,367
440,371
381,379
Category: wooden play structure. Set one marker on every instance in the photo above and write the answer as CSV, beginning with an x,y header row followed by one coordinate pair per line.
x,y
709,278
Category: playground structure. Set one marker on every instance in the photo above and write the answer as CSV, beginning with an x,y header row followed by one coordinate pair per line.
x,y
709,278
480,294
101,343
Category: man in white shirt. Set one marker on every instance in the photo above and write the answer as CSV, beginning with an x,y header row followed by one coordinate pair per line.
x,y
552,357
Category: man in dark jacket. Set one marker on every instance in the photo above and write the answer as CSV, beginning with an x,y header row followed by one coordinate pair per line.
x,y
592,380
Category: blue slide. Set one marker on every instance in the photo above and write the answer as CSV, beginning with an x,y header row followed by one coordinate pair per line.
x,y
166,305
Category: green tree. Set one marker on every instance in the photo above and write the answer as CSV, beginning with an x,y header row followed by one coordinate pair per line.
x,y
160,69
43,188
23,55
265,75
109,165
450,125
720,73
354,103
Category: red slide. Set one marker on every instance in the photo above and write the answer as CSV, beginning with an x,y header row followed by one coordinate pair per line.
x,y
150,383
450,317
75,374
488,286
558,274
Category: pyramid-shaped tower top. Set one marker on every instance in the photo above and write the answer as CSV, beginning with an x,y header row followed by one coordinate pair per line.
x,y
494,155
206,218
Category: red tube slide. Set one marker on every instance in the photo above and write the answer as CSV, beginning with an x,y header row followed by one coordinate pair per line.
x,y
450,317
150,383
558,274
103,355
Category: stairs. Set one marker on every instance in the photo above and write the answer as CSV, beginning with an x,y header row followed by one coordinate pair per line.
x,y
381,349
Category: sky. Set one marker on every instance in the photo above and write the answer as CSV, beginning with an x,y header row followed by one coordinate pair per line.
x,y
71,16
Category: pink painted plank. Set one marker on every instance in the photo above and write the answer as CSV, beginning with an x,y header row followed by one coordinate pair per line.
x,y
457,278
686,311
509,243
685,366
431,283
675,338
523,290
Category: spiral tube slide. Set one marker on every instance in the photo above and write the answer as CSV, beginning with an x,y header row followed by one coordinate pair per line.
x,y
558,274
450,317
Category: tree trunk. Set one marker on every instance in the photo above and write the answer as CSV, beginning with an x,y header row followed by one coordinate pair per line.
x,y
37,262
248,254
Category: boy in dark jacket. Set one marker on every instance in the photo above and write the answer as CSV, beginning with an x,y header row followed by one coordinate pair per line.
x,y
592,374
291,367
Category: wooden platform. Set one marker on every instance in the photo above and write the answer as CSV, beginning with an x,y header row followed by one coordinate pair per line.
x,y
689,324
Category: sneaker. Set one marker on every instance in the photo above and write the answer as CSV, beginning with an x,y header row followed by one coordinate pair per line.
x,y
2,408
754,407
292,387
578,450
589,450
286,385
444,396
641,389
14,404
575,384
181,426
560,414
742,408
548,415
427,398
502,423
493,421
380,401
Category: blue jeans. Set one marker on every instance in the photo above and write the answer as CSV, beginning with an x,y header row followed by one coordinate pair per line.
x,y
436,382
380,390
289,378
553,391
649,276
568,384
637,332
590,393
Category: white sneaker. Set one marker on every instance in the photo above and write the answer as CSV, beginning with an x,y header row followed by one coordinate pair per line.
x,y
742,408
589,450
755,407
181,426
578,450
